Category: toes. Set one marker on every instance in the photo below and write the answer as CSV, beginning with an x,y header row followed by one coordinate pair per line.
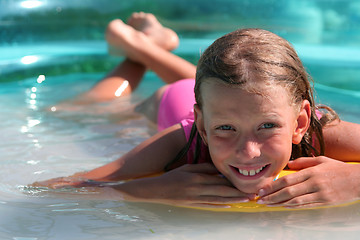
x,y
151,17
133,18
113,27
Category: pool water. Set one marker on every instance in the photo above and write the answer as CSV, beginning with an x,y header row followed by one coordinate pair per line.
x,y
51,52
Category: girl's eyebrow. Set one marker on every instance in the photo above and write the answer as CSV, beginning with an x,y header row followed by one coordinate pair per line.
x,y
272,114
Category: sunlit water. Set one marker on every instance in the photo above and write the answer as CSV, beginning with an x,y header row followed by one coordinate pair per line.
x,y
37,144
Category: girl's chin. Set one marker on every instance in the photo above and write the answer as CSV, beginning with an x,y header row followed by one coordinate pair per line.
x,y
253,188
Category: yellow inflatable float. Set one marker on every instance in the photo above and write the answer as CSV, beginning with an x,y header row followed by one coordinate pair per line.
x,y
252,206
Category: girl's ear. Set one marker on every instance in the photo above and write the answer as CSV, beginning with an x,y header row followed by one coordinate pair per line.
x,y
302,122
199,121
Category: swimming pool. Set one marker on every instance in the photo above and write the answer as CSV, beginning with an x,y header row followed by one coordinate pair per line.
x,y
37,144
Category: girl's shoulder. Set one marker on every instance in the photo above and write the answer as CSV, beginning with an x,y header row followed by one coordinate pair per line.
x,y
187,125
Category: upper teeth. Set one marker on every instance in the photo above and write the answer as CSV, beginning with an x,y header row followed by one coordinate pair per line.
x,y
251,172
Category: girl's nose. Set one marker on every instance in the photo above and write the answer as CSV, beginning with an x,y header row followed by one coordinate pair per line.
x,y
248,149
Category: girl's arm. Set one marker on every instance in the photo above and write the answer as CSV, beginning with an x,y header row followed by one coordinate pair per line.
x,y
149,157
342,141
194,185
188,185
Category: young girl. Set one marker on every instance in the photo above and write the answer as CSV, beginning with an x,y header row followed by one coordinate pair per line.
x,y
254,112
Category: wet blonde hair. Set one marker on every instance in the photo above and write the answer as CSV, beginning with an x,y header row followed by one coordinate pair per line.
x,y
248,57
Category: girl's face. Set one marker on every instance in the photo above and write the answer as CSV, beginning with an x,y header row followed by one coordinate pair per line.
x,y
249,135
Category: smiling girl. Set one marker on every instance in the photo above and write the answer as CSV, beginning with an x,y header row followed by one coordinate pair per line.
x,y
254,106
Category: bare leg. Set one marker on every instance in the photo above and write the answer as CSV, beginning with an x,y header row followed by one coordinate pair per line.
x,y
121,81
125,78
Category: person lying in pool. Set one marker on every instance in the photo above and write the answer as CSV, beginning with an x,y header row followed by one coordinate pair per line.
x,y
253,115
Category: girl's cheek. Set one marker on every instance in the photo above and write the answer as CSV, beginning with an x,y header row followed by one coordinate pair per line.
x,y
221,142
219,149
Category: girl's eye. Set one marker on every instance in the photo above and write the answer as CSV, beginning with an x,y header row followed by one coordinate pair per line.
x,y
268,125
225,128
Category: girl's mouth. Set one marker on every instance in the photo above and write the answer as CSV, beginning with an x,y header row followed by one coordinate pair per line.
x,y
251,173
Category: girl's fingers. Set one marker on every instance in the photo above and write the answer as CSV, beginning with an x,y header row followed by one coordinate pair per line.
x,y
303,201
304,162
221,190
286,183
287,189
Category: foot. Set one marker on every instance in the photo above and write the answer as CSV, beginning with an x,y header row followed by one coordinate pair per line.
x,y
139,23
150,26
123,39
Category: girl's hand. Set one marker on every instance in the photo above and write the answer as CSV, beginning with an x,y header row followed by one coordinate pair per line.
x,y
195,185
321,181
75,180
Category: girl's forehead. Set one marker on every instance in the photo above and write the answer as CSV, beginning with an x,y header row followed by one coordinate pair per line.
x,y
224,101
215,93
214,86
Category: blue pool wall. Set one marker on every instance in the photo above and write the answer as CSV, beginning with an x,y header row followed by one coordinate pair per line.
x,y
300,21
326,33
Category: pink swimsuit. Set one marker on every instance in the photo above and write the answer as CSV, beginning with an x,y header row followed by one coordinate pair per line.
x,y
177,106
176,103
